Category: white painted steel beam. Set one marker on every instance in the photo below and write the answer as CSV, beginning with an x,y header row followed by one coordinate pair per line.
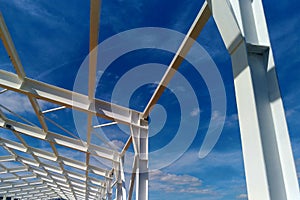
x,y
94,30
120,182
126,146
61,181
34,183
21,74
37,160
38,112
53,109
269,165
94,34
13,55
198,24
7,158
65,97
140,172
95,6
132,179
104,125
268,159
109,188
65,160
140,143
10,48
59,139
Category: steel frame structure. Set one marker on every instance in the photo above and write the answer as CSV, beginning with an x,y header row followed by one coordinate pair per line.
x,y
268,159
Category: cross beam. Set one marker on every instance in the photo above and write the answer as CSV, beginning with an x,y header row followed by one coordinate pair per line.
x,y
197,26
64,97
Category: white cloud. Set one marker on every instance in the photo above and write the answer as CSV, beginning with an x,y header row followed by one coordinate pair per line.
x,y
117,143
217,117
98,75
290,112
242,196
178,179
54,116
228,163
231,120
168,182
15,102
196,191
18,103
195,112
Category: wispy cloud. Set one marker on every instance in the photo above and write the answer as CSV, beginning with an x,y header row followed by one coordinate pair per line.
x,y
35,10
6,66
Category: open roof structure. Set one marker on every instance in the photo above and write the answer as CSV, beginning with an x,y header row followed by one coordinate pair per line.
x,y
30,172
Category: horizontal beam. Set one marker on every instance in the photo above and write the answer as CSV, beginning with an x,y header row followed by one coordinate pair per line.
x,y
50,156
7,158
104,125
65,141
13,170
66,98
191,36
46,178
53,109
33,185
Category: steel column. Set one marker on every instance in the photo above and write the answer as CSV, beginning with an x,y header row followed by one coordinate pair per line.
x,y
108,189
140,144
121,189
268,159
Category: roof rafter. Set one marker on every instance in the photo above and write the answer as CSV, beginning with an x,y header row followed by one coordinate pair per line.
x,y
184,48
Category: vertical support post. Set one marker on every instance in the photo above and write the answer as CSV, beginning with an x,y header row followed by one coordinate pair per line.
x,y
121,189
140,144
132,179
268,158
102,194
108,188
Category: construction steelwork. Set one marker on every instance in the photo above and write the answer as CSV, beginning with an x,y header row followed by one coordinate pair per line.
x,y
268,159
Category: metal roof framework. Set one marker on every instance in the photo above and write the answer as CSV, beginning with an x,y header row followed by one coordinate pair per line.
x,y
269,165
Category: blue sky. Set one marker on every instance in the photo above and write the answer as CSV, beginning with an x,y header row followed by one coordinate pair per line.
x,y
52,39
